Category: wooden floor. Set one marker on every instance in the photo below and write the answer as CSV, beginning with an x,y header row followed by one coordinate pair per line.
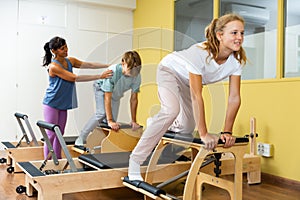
x,y
263,191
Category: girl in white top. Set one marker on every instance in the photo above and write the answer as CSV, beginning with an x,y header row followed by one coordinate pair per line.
x,y
180,77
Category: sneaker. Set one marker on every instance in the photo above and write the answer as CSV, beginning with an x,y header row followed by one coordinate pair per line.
x,y
79,141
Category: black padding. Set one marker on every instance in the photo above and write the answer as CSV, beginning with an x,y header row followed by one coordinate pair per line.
x,y
241,139
122,125
81,147
145,186
183,137
31,169
107,160
135,183
152,189
9,145
69,140
190,138
114,160
19,115
104,125
46,125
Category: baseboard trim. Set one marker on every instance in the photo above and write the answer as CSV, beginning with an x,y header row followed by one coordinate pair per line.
x,y
280,181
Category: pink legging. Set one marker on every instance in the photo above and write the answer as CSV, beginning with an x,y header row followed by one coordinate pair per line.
x,y
58,117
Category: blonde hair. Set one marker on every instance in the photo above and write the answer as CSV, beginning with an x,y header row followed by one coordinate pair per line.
x,y
133,60
212,43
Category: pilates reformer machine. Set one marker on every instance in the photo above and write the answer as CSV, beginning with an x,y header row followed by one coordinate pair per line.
x,y
227,161
195,176
103,139
26,150
86,173
14,149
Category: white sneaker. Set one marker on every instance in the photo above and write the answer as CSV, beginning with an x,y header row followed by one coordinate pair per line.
x,y
134,172
79,141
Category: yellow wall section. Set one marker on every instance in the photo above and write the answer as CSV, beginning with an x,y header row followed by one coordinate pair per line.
x,y
275,104
276,108
153,38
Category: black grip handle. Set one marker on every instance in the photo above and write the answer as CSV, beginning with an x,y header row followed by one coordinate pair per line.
x,y
19,115
46,125
152,189
187,138
146,186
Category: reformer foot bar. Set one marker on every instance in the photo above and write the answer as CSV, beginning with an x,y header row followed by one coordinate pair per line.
x,y
195,177
16,151
88,172
28,150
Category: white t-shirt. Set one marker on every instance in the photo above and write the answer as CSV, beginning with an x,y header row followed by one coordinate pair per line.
x,y
195,60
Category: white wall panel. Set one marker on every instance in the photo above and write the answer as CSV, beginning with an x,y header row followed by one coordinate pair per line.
x,y
92,19
116,20
30,24
43,13
8,34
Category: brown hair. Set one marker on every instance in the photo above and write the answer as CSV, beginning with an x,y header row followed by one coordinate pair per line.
x,y
55,43
217,25
133,60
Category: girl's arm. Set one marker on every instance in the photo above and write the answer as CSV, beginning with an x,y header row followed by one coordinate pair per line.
x,y
234,102
198,104
209,140
56,70
86,65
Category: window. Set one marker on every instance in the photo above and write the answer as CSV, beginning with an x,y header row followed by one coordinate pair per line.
x,y
260,41
191,18
292,40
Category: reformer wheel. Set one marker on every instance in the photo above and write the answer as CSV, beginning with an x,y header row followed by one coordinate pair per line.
x,y
10,169
20,189
2,160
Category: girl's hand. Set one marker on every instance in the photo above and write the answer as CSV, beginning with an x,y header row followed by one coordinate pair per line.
x,y
228,139
210,141
106,74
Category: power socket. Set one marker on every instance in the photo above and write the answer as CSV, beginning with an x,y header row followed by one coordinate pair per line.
x,y
265,149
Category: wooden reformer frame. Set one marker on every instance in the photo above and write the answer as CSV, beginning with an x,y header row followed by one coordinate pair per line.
x,y
103,139
195,177
27,150
232,161
76,175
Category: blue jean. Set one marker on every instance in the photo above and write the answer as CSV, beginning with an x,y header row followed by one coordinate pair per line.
x,y
100,115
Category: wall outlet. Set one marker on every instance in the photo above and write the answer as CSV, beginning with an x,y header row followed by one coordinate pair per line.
x,y
265,150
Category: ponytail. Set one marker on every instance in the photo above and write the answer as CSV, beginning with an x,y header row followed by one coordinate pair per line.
x,y
212,43
48,55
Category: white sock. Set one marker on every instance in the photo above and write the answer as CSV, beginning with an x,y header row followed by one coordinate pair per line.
x,y
134,171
